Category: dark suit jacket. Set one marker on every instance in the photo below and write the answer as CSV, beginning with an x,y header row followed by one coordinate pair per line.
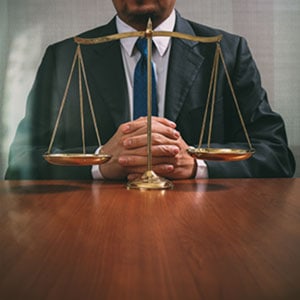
x,y
186,94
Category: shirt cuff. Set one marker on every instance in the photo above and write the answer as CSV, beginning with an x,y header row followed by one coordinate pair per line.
x,y
96,173
201,171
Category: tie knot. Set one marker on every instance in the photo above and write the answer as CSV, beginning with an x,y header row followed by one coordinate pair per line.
x,y
141,45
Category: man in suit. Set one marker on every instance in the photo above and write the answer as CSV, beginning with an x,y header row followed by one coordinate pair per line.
x,y
183,71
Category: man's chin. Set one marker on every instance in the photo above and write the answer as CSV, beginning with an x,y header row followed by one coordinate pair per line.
x,y
142,18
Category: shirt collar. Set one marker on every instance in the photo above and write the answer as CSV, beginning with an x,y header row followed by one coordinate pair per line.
x,y
161,43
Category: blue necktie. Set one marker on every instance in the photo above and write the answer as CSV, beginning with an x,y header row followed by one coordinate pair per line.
x,y
140,83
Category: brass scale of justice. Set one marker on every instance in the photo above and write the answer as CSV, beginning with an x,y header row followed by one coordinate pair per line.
x,y
149,180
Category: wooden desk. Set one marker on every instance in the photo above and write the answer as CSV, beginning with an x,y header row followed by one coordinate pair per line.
x,y
215,239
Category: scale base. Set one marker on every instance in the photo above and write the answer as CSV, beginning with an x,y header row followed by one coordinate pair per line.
x,y
150,181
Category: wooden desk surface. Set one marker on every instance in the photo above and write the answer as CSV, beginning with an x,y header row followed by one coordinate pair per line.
x,y
206,239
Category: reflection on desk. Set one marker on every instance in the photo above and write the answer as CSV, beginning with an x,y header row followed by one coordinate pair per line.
x,y
205,239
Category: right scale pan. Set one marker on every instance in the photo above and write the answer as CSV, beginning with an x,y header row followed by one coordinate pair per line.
x,y
220,154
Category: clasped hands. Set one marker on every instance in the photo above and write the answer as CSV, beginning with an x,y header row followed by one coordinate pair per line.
x,y
128,148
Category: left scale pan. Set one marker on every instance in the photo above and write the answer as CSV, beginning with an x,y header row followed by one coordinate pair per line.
x,y
76,159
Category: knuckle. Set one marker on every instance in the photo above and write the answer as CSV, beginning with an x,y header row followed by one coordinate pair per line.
x,y
157,139
165,149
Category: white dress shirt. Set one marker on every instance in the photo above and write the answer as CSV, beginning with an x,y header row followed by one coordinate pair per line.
x,y
160,58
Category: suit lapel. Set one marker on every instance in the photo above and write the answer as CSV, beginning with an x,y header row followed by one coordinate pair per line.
x,y
112,83
107,75
185,64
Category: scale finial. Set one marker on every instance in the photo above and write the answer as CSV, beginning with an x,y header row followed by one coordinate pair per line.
x,y
149,28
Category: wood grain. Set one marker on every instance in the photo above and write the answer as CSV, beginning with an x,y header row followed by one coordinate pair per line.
x,y
205,239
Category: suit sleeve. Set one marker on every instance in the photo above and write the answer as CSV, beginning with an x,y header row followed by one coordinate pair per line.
x,y
266,128
34,131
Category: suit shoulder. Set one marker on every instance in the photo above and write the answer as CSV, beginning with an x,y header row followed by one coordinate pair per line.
x,y
204,30
103,30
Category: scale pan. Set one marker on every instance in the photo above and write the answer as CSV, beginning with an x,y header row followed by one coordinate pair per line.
x,y
76,159
220,154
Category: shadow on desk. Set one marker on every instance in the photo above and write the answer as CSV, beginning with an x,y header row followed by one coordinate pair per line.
x,y
41,187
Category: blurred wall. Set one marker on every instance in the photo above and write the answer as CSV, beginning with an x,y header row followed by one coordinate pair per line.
x,y
28,26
